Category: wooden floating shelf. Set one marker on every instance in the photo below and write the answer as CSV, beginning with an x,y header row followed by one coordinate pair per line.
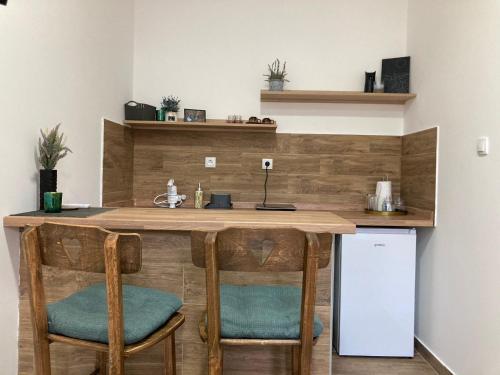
x,y
210,125
304,96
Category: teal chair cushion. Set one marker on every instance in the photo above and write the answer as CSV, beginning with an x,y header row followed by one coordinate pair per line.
x,y
84,314
262,312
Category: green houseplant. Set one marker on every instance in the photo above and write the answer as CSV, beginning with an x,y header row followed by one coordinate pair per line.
x,y
276,75
51,148
170,106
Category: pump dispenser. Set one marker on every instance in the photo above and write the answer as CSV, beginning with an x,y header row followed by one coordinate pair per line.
x,y
198,197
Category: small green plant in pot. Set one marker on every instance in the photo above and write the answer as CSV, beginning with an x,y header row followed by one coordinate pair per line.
x,y
276,75
170,106
51,149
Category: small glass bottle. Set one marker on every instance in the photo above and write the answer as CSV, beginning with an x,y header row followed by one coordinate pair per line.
x,y
198,197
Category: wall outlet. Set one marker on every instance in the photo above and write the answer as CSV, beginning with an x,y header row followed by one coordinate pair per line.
x,y
210,162
270,163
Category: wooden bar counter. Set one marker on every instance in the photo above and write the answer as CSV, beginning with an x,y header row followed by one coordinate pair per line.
x,y
167,266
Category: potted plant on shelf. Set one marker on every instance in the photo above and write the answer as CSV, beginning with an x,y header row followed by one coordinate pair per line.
x,y
276,76
170,106
51,149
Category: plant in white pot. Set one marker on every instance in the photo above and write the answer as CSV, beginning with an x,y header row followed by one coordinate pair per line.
x,y
51,149
276,75
170,106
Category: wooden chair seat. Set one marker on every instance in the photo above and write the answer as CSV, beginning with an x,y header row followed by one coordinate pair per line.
x,y
202,328
173,323
84,314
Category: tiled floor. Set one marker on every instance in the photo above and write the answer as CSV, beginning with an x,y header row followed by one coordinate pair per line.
x,y
381,366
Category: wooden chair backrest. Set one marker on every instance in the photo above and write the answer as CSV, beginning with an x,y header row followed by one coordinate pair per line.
x,y
260,250
81,248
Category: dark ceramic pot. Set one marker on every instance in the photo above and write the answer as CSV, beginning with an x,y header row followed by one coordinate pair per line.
x,y
48,183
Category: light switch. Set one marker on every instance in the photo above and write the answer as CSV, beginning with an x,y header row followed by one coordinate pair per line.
x,y
483,146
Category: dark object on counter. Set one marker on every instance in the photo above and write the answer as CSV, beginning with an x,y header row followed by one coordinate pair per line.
x,y
275,207
48,183
52,202
370,81
195,115
79,213
220,200
139,111
3,2
396,75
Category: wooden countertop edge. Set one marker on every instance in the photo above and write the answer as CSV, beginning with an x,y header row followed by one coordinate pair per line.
x,y
175,225
346,222
415,219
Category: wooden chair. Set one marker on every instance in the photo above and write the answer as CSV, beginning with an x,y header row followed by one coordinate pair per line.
x,y
92,249
272,250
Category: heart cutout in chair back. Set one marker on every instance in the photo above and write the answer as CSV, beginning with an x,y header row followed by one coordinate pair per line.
x,y
263,251
72,248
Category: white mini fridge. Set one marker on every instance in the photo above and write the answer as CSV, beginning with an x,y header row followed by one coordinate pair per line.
x,y
374,293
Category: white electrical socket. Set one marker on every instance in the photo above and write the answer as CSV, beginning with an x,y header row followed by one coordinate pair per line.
x,y
210,162
270,163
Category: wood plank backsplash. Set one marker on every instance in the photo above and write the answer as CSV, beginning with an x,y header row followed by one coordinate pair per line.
x,y
418,169
118,164
333,170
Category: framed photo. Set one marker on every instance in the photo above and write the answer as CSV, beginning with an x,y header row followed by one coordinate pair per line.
x,y
195,115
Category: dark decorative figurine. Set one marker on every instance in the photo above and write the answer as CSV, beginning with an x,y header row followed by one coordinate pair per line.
x,y
369,81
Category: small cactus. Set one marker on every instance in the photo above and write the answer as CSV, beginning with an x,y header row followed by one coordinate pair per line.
x,y
275,72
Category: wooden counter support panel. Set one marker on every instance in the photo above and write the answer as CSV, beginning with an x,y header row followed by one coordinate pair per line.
x,y
118,164
419,169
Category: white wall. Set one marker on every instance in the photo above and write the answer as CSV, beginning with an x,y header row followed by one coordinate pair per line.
x,y
60,61
455,46
213,54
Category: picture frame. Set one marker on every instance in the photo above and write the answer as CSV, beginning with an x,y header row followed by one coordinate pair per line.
x,y
195,115
396,75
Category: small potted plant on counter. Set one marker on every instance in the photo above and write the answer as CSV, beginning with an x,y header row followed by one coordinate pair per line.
x,y
51,149
170,106
276,76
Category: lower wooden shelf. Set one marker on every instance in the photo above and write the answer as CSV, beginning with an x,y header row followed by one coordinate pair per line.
x,y
210,125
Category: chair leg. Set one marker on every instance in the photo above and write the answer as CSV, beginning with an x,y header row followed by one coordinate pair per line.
x,y
295,360
215,360
42,356
170,364
305,360
116,364
101,363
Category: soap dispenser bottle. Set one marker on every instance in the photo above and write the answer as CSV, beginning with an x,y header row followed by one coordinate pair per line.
x,y
198,197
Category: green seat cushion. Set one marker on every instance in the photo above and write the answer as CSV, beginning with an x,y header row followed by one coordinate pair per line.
x,y
84,314
262,312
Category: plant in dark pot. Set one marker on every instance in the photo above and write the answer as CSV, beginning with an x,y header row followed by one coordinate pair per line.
x,y
276,76
170,106
51,149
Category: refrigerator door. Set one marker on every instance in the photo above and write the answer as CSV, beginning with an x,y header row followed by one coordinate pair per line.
x,y
377,293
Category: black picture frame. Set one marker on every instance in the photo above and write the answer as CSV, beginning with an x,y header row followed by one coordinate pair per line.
x,y
396,75
195,115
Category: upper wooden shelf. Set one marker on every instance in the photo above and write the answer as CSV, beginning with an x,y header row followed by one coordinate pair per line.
x,y
210,125
304,96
